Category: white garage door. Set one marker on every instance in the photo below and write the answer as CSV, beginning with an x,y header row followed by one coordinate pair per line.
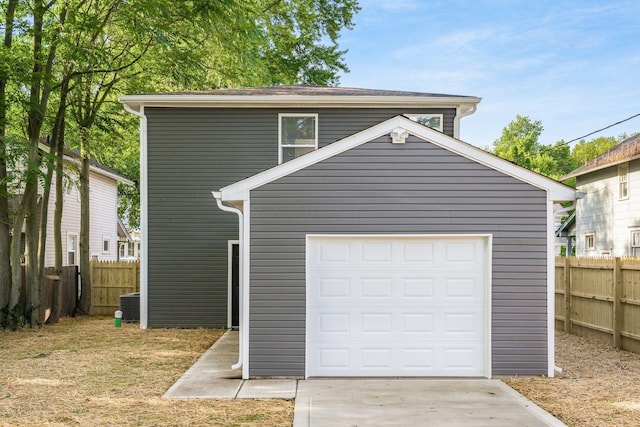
x,y
396,306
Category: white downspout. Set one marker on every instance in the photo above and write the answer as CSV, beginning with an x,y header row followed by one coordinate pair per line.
x,y
218,197
144,266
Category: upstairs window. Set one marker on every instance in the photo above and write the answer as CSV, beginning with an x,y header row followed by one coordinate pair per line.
x,y
106,244
590,241
623,181
434,121
297,134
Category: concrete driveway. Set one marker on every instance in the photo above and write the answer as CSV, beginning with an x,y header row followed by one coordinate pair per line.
x,y
414,402
363,402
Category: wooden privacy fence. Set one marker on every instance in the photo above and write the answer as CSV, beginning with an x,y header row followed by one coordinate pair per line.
x,y
109,280
599,298
68,283
68,286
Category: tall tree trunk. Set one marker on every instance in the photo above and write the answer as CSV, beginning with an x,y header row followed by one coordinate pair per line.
x,y
5,236
58,146
84,304
40,91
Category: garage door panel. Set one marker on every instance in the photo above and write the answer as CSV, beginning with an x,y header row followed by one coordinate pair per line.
x,y
383,323
396,306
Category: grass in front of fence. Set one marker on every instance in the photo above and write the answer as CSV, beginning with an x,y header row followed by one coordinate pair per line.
x,y
84,371
599,385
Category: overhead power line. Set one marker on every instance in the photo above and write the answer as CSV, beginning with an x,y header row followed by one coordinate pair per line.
x,y
579,138
600,130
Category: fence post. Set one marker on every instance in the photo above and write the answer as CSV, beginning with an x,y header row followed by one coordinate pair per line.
x,y
617,291
567,294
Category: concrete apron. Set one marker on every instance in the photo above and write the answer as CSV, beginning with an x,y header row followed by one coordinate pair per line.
x,y
415,402
363,402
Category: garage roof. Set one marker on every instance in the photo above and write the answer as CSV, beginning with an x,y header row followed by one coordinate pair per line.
x,y
556,191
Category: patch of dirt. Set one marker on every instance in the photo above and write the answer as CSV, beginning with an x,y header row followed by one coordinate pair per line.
x,y
84,371
598,385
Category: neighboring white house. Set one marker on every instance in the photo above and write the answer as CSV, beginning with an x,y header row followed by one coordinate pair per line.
x,y
607,219
103,211
129,245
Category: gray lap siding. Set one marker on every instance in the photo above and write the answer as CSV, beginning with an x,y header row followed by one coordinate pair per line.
x,y
381,188
191,152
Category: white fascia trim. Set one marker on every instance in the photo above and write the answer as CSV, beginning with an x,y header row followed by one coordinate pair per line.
x,y
555,190
551,289
292,101
144,221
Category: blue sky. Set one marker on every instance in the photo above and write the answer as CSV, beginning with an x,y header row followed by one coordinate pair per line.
x,y
573,65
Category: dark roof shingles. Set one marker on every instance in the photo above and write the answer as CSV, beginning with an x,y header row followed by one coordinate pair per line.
x,y
307,90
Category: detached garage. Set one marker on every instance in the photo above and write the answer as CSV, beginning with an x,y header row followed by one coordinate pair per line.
x,y
396,252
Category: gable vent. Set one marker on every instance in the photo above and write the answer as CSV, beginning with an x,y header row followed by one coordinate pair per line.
x,y
399,135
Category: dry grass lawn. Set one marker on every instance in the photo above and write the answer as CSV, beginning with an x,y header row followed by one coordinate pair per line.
x,y
85,372
599,385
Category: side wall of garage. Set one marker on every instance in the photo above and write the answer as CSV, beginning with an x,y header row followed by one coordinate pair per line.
x,y
384,188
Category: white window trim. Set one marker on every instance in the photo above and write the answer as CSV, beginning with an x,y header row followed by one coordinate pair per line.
x,y
414,116
106,238
636,233
75,250
623,171
281,145
586,236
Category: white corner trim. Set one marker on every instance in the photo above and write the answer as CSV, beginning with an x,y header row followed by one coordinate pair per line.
x,y
489,303
551,289
144,221
555,190
245,281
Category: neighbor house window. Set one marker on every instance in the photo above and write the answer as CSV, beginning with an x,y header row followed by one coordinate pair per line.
x,y
434,121
106,244
72,248
590,241
297,135
635,243
623,181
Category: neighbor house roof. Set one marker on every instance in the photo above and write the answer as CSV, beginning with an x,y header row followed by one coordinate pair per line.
x,y
75,157
563,230
239,191
302,96
627,150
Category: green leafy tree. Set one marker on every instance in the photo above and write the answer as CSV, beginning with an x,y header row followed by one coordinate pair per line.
x,y
584,151
81,54
519,144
